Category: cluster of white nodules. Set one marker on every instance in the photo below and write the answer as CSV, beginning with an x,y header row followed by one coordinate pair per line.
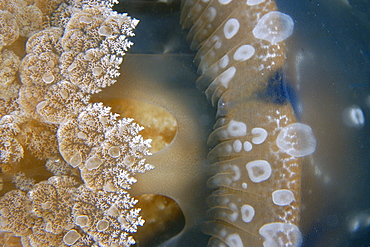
x,y
235,128
244,53
247,212
282,197
254,2
238,146
297,140
231,28
234,240
258,170
354,117
259,136
274,27
273,234
238,129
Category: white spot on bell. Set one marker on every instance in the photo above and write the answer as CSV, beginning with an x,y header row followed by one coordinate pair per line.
x,y
260,135
282,197
258,170
236,128
237,145
247,146
231,28
244,53
247,212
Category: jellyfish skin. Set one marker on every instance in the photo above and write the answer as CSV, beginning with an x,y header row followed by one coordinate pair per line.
x,y
240,59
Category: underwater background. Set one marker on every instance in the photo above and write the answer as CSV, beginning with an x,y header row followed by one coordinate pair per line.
x,y
328,67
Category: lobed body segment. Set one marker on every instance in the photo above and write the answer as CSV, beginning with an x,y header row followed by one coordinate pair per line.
x,y
240,58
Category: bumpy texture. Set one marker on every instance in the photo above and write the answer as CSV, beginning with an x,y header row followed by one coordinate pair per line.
x,y
73,49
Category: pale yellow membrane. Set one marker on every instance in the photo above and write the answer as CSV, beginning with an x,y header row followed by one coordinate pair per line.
x,y
163,216
159,125
179,167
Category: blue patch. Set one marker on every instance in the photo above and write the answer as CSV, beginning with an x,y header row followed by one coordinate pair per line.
x,y
279,92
